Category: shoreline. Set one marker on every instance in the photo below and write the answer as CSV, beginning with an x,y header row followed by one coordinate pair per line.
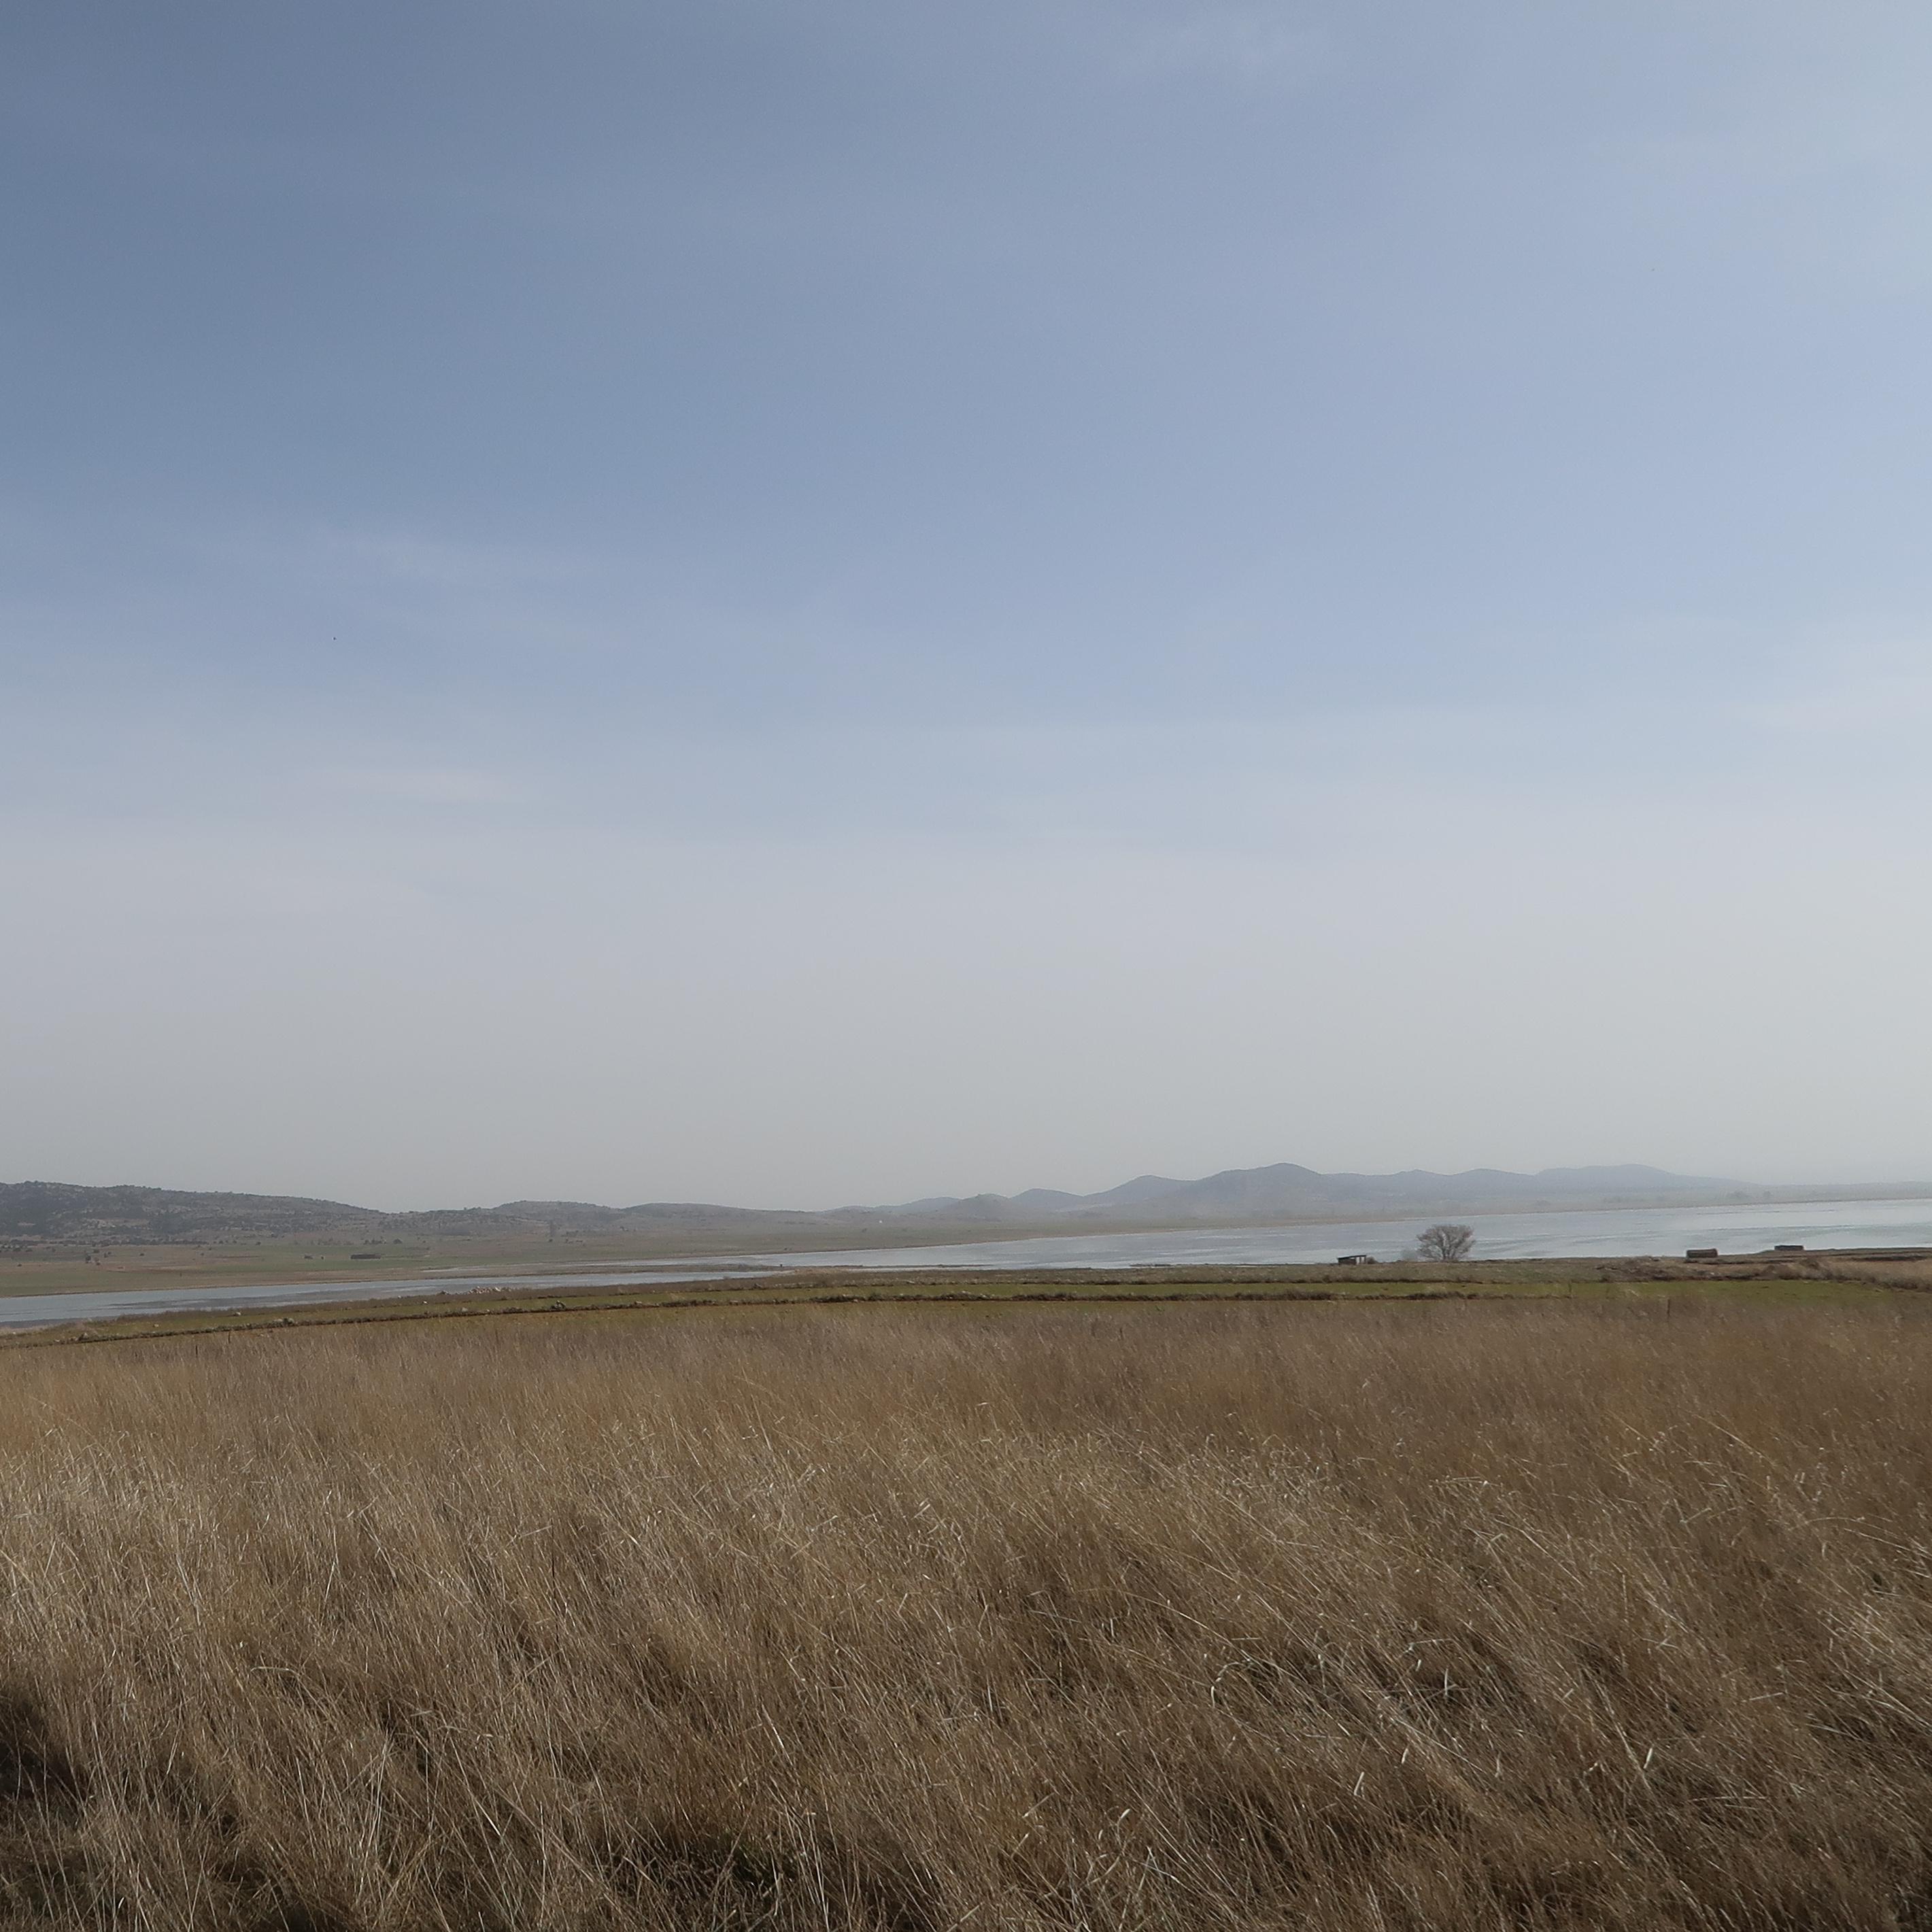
x,y
1821,1274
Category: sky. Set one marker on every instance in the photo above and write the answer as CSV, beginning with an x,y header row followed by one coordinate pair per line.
x,y
791,605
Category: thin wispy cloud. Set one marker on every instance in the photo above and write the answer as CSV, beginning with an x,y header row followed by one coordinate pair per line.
x,y
421,787
1867,691
1266,47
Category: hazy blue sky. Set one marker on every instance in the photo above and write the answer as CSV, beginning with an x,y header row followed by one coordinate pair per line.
x,y
788,603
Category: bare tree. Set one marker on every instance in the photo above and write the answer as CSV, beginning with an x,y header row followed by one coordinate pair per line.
x,y
1446,1241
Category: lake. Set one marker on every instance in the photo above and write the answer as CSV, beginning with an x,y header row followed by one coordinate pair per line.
x,y
1739,1228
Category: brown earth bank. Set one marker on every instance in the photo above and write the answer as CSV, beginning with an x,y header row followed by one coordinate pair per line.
x,y
1535,1613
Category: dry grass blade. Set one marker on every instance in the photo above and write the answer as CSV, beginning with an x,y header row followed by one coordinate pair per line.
x,y
1311,1617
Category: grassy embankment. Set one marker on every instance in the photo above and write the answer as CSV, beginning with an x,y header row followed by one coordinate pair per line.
x,y
1530,1613
1765,1280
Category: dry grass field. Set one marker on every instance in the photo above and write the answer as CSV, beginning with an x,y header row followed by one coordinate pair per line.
x,y
1332,1615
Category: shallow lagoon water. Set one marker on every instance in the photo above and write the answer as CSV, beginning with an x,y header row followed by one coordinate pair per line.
x,y
1738,1228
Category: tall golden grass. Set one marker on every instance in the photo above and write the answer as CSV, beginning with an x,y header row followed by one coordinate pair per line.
x,y
1313,1617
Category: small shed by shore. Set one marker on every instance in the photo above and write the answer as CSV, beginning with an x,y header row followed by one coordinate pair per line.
x,y
1354,1261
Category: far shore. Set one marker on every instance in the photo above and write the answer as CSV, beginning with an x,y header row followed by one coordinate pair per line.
x,y
66,1267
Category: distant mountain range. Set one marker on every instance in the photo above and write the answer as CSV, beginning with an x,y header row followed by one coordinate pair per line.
x,y
32,1212
1286,1192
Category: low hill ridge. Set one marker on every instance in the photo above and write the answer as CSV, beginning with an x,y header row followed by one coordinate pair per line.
x,y
33,1212
1286,1190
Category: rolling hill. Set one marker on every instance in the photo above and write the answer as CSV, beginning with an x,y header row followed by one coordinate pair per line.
x,y
34,1213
